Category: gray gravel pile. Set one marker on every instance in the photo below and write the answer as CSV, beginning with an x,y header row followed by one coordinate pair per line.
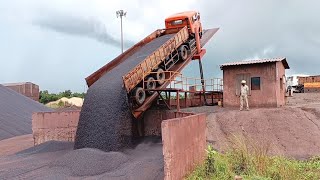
x,y
89,162
16,113
106,121
50,146
145,162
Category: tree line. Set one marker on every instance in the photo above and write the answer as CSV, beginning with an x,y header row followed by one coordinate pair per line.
x,y
46,97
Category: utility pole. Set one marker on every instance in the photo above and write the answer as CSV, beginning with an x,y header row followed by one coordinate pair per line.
x,y
120,14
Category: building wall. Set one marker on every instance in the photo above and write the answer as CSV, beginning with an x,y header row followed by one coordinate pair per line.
x,y
269,94
308,79
281,85
313,87
184,144
28,89
57,126
62,126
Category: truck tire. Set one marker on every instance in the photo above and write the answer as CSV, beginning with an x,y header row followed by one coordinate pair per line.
x,y
139,95
150,84
183,52
160,76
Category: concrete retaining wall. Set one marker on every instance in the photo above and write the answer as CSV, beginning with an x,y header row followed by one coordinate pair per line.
x,y
184,144
183,138
62,126
58,126
153,118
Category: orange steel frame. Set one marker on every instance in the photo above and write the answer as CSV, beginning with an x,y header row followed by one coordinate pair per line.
x,y
138,73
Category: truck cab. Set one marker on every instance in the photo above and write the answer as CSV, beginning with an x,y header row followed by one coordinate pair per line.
x,y
191,19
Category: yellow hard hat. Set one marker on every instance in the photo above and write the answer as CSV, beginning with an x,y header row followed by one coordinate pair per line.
x,y
243,82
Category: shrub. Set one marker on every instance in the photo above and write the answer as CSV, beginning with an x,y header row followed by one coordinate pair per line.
x,y
250,160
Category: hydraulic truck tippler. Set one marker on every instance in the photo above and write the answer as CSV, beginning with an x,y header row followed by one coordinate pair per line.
x,y
185,32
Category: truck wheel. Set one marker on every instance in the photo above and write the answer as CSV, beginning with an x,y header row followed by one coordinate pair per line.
x,y
183,52
139,95
160,76
150,84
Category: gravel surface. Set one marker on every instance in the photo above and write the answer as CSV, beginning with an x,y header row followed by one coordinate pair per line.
x,y
50,146
105,119
144,162
304,99
16,112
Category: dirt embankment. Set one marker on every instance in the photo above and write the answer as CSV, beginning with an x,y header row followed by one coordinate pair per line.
x,y
304,99
292,131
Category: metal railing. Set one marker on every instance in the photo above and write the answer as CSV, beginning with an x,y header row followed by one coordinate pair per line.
x,y
188,84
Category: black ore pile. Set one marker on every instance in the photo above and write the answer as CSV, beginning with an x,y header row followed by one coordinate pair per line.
x,y
56,160
105,120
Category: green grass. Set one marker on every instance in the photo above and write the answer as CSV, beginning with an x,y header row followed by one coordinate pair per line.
x,y
250,160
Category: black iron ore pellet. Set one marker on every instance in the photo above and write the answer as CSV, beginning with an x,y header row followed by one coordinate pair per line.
x,y
105,120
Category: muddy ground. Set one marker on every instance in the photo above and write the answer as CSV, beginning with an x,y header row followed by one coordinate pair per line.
x,y
292,131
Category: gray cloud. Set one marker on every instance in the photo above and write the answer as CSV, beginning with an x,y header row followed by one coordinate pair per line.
x,y
248,29
79,26
264,29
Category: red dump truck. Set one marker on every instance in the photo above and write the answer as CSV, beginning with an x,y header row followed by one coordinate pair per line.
x,y
174,50
184,31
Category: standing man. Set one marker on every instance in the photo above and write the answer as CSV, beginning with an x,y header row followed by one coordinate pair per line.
x,y
244,95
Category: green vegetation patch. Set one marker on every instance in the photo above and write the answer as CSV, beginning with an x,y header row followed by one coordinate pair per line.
x,y
46,97
250,161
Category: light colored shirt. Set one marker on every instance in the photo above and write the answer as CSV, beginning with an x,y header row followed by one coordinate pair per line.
x,y
244,90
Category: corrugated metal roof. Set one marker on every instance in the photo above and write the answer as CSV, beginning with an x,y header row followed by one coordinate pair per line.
x,y
16,112
257,61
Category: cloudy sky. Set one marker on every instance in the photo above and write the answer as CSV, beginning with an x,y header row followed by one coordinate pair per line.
x,y
58,43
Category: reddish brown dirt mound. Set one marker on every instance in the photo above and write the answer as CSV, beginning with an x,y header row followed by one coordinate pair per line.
x,y
290,131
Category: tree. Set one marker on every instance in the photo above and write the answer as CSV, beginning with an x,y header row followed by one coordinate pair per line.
x,y
46,97
66,93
